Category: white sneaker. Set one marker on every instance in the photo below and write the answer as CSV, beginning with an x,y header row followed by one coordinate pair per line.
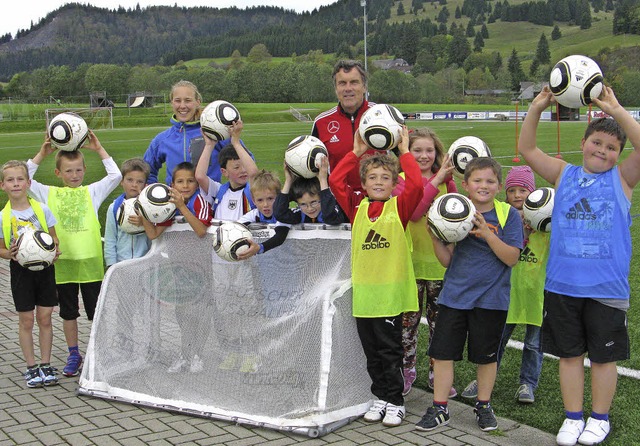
x,y
177,366
196,365
376,411
569,432
393,416
595,431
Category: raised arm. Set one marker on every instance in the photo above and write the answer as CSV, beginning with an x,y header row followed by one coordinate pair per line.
x,y
243,154
203,163
544,165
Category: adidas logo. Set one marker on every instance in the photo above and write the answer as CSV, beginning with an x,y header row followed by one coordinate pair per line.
x,y
375,241
581,211
527,255
334,138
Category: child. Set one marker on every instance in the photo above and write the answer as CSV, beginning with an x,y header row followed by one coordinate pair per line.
x,y
384,285
80,266
587,283
197,212
31,290
474,300
316,203
428,151
527,291
265,186
120,245
230,200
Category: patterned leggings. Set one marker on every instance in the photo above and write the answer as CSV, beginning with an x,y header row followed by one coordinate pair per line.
x,y
428,291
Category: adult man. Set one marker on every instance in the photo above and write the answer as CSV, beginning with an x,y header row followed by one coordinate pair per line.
x,y
337,126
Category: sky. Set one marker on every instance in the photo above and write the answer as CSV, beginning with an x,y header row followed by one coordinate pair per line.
x,y
16,16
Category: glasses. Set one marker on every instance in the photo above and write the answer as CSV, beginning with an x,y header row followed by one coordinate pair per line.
x,y
311,204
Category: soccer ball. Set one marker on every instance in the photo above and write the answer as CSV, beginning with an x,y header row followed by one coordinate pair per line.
x,y
463,150
36,250
216,119
450,217
126,209
153,203
575,81
303,156
381,126
232,238
68,131
538,208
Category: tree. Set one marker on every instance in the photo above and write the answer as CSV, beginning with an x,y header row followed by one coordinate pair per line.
x,y
478,42
543,54
459,49
259,53
400,9
533,69
470,31
515,70
484,31
236,60
556,33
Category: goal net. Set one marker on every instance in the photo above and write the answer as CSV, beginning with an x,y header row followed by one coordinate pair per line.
x,y
267,342
97,118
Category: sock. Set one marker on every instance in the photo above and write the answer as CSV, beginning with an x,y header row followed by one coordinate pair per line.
x,y
573,415
74,350
441,406
44,364
480,404
29,367
600,416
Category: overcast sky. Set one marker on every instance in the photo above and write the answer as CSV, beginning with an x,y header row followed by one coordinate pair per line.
x,y
19,15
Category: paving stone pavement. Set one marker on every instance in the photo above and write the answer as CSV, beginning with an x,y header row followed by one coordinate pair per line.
x,y
56,415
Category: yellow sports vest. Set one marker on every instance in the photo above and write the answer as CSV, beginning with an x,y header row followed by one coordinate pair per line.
x,y
78,230
10,225
381,269
527,281
425,263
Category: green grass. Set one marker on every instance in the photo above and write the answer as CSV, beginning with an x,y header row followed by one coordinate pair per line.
x,y
268,140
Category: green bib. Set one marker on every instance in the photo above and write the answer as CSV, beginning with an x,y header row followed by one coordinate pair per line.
x,y
78,230
381,269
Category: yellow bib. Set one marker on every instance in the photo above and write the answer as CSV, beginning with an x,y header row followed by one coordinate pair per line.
x,y
381,268
10,225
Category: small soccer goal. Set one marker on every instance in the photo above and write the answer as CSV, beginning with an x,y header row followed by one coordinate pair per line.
x,y
97,118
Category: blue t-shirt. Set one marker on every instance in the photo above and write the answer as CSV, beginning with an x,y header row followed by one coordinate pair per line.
x,y
476,277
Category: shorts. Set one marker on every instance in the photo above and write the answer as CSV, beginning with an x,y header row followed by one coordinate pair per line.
x,y
481,329
68,296
32,288
573,326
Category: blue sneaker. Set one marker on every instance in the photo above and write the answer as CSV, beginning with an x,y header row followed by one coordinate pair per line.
x,y
33,378
74,364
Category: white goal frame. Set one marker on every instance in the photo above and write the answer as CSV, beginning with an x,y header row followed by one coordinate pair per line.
x,y
97,118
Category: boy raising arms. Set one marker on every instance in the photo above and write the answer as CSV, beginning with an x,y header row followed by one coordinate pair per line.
x,y
473,303
80,266
384,285
31,290
587,284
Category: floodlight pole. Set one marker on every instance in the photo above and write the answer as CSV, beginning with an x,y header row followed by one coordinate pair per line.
x,y
363,3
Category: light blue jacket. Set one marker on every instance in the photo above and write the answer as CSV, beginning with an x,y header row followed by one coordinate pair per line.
x,y
119,245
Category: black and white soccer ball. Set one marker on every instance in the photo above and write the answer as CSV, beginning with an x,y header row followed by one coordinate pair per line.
x,y
575,81
232,238
303,156
381,127
154,205
68,131
538,208
36,250
216,119
125,210
450,217
464,150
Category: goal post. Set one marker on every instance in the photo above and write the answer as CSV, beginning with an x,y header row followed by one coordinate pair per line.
x,y
97,118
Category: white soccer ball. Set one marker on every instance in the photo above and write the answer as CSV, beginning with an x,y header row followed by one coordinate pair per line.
x,y
381,126
231,239
538,208
216,119
36,250
463,150
153,203
68,131
575,81
450,217
303,156
124,211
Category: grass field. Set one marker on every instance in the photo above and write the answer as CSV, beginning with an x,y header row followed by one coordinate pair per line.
x,y
268,140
